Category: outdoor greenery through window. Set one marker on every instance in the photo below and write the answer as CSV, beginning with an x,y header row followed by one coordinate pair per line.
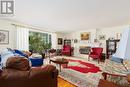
x,y
39,42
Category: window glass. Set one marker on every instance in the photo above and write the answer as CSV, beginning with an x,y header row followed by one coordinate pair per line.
x,y
39,41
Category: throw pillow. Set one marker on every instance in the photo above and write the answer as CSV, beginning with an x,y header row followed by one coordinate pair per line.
x,y
18,63
5,54
116,59
20,53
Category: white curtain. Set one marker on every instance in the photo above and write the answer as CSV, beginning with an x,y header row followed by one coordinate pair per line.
x,y
123,50
22,38
54,40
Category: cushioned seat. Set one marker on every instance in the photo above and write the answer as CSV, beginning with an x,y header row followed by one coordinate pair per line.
x,y
95,56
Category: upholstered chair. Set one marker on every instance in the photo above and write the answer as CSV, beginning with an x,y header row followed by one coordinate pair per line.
x,y
96,53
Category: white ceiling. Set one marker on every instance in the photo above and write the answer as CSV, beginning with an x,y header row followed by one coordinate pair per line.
x,y
71,15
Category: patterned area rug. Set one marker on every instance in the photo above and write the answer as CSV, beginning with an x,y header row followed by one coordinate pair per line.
x,y
81,66
77,78
80,80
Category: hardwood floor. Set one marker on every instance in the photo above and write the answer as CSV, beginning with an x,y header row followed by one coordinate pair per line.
x,y
64,83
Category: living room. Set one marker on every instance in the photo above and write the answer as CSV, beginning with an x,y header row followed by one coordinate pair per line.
x,y
62,38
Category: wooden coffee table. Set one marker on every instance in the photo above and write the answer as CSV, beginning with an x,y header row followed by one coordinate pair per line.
x,y
60,61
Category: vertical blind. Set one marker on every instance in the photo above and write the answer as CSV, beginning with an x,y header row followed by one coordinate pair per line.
x,y
22,38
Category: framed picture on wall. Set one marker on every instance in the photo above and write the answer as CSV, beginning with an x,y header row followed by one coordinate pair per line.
x,y
102,37
4,37
75,40
85,36
60,41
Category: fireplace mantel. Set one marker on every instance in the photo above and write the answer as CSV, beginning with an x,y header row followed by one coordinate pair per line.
x,y
84,49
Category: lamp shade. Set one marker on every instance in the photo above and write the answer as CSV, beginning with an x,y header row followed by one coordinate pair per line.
x,y
123,49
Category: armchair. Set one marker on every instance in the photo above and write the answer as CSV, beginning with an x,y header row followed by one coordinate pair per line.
x,y
96,53
67,50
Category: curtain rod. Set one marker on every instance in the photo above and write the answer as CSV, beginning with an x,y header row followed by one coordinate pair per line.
x,y
26,26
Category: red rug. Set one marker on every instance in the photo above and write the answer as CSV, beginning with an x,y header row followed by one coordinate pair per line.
x,y
81,66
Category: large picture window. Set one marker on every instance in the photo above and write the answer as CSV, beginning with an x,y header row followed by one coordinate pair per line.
x,y
39,41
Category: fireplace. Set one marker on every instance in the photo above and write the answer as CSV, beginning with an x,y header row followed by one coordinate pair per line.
x,y
84,49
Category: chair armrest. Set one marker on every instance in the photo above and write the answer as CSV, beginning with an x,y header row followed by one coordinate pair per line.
x,y
104,74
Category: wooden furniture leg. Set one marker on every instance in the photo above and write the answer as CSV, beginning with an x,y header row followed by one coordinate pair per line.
x,y
60,67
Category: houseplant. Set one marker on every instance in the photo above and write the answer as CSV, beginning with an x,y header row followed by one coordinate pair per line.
x,y
37,43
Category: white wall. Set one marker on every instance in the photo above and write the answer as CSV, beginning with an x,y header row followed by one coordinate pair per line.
x,y
6,25
60,35
108,32
76,35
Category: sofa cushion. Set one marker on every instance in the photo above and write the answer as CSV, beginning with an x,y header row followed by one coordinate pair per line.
x,y
18,63
40,71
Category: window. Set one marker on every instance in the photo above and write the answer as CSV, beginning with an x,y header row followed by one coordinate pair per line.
x,y
39,41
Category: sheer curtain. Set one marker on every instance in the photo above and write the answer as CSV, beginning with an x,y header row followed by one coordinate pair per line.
x,y
54,40
22,38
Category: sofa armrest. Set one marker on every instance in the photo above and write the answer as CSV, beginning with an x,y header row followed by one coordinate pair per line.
x,y
45,76
48,70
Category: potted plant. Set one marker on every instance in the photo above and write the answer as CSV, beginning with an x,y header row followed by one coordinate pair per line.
x,y
37,44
